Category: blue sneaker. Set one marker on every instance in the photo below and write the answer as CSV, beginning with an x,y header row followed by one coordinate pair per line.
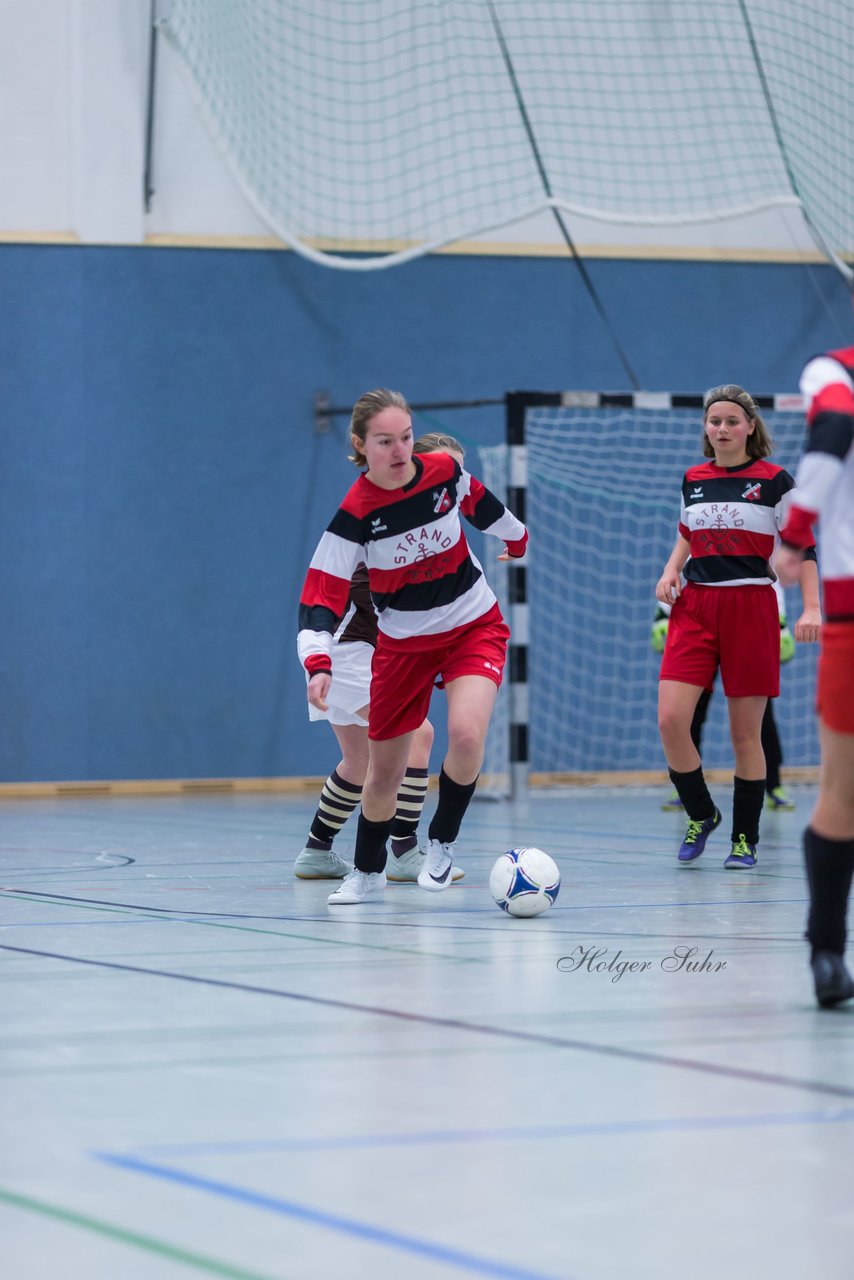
x,y
741,854
696,836
672,804
780,800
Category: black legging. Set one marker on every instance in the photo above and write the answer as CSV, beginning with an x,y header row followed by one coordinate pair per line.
x,y
770,737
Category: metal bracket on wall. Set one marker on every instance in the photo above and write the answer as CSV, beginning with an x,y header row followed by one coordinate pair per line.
x,y
322,413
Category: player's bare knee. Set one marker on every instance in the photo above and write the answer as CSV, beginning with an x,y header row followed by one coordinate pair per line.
x,y
673,726
466,741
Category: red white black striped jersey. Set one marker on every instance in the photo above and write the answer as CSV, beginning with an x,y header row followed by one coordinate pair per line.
x,y
360,621
730,517
424,579
826,477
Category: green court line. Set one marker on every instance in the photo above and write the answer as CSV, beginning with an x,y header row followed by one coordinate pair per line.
x,y
45,900
202,1263
164,1064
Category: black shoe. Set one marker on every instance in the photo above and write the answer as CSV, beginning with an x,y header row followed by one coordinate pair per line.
x,y
833,982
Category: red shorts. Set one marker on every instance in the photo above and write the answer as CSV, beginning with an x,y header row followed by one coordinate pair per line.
x,y
835,692
402,677
734,628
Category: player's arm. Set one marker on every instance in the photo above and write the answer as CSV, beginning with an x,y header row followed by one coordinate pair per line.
x,y
669,585
323,602
829,393
808,625
489,514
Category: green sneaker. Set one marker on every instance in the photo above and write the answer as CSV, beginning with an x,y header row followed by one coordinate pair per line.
x,y
672,804
779,799
741,854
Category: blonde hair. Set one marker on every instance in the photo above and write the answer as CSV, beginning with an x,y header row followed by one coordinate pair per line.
x,y
366,408
437,442
758,443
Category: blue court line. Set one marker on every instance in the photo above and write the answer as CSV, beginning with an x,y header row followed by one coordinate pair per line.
x,y
522,1133
458,1024
332,1222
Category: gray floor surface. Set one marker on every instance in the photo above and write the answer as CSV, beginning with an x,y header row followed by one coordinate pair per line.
x,y
206,1070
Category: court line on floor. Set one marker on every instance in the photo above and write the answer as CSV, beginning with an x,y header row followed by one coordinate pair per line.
x,y
519,1133
425,1249
175,915
436,913
434,920
792,939
133,1238
456,1024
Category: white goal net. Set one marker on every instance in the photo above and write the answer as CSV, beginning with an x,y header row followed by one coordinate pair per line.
x,y
389,128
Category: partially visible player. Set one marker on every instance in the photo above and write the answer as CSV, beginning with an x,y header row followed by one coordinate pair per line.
x,y
348,702
826,491
347,714
776,796
726,617
437,618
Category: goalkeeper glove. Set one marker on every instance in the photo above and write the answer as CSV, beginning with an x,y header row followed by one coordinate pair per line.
x,y
658,634
787,642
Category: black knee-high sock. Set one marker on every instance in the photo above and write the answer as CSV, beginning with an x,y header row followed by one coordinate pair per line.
x,y
694,794
772,748
370,852
748,797
830,866
454,799
410,802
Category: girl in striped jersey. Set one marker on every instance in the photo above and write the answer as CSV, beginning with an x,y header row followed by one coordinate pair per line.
x,y
826,491
352,651
733,506
437,617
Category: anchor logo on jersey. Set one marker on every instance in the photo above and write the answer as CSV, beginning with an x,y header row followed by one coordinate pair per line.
x,y
752,492
441,501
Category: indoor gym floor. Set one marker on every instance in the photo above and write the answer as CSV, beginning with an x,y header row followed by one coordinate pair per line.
x,y
206,1070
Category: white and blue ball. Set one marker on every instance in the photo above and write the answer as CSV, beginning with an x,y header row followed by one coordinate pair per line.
x,y
524,882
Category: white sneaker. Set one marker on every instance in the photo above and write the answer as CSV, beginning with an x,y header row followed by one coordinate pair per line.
x,y
359,886
408,865
437,872
320,864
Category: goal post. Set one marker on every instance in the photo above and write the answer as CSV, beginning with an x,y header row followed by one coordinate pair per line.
x,y
596,478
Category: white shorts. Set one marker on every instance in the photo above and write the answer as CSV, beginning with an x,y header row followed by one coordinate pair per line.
x,y
351,684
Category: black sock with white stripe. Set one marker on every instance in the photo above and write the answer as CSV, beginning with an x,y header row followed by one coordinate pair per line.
x,y
338,799
410,802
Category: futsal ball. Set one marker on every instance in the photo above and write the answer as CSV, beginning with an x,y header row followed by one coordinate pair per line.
x,y
524,882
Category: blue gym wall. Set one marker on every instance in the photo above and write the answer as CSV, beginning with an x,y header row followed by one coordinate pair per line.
x,y
163,486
